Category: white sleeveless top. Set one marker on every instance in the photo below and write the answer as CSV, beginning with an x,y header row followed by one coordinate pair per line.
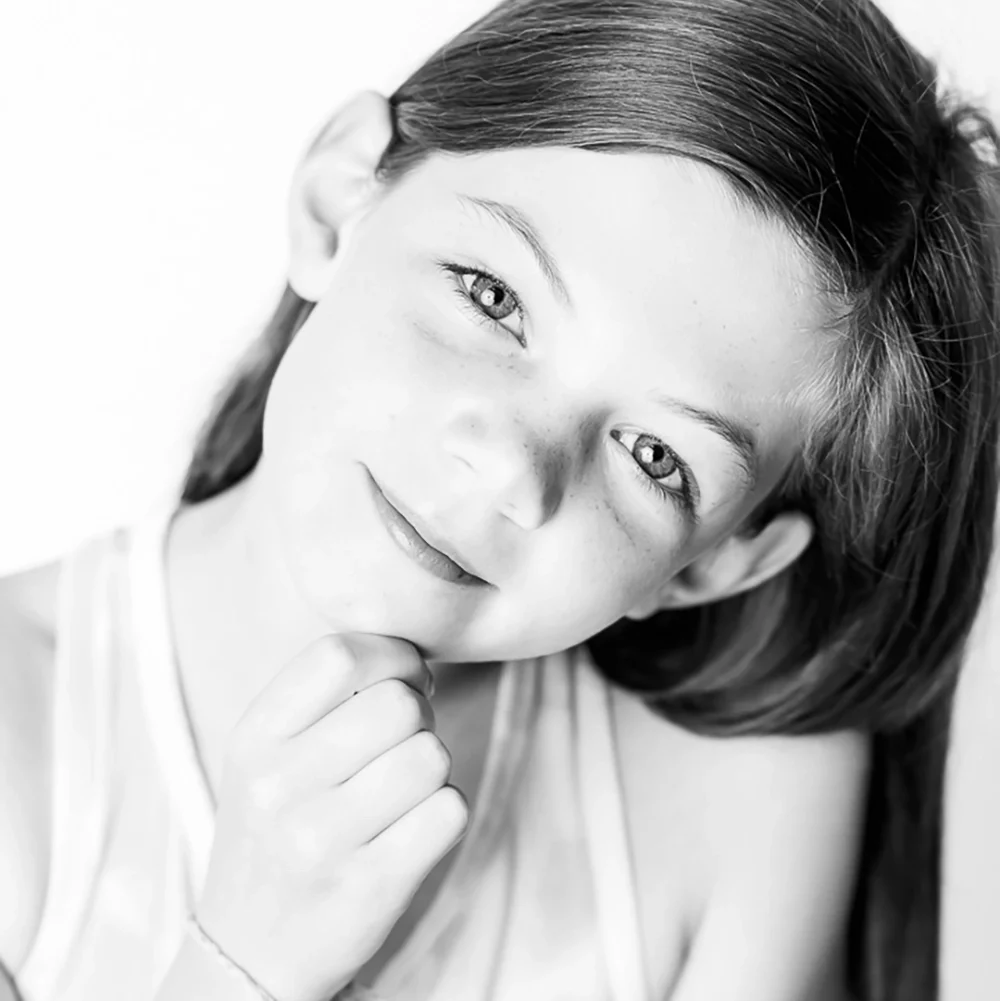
x,y
539,902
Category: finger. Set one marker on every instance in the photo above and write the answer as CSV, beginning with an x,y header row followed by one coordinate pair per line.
x,y
326,673
354,734
408,850
393,784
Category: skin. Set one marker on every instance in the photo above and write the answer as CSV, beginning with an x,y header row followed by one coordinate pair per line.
x,y
507,451
517,443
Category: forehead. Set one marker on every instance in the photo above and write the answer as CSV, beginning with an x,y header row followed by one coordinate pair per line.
x,y
722,303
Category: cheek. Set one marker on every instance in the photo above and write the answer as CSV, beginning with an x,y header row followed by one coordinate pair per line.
x,y
595,570
344,373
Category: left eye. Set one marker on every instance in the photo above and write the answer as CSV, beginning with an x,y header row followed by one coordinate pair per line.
x,y
657,461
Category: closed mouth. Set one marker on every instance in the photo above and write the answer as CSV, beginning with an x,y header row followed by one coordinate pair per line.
x,y
419,543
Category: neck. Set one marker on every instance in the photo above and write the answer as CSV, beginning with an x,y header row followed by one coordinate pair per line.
x,y
219,551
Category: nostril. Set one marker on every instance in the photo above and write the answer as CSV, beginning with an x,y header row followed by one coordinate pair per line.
x,y
518,470
533,498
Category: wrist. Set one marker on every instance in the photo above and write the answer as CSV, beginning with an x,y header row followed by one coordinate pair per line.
x,y
196,933
196,973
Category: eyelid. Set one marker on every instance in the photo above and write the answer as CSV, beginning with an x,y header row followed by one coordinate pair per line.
x,y
457,271
689,497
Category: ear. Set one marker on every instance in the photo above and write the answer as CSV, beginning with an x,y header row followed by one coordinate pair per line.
x,y
738,563
333,186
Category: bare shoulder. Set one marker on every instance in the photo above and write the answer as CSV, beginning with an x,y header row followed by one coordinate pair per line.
x,y
753,781
716,818
27,655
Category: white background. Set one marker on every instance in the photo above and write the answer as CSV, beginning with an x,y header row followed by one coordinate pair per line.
x,y
145,152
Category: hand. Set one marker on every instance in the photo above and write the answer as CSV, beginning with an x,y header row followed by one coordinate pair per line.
x,y
333,809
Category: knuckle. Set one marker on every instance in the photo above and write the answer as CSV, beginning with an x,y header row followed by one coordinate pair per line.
x,y
434,759
407,662
339,652
389,889
453,808
402,652
401,705
411,659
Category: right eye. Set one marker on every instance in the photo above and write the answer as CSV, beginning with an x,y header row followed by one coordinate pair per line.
x,y
488,299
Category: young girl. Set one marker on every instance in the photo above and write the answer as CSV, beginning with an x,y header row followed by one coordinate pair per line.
x,y
638,372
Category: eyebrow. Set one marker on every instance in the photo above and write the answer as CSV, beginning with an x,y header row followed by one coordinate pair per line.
x,y
738,437
521,226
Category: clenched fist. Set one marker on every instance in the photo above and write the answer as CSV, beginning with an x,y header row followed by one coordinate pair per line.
x,y
333,808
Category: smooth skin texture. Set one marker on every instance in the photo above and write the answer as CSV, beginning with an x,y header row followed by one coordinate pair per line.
x,y
509,451
333,809
528,441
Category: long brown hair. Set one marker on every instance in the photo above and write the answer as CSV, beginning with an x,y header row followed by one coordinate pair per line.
x,y
820,114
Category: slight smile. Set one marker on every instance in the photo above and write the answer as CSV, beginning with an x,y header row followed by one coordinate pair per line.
x,y
402,531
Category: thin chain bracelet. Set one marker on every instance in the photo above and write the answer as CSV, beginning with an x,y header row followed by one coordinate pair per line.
x,y
210,945
352,992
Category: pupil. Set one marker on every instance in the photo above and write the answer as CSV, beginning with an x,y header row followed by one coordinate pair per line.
x,y
653,453
493,297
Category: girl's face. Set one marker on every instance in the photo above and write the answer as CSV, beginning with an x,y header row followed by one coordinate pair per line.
x,y
573,373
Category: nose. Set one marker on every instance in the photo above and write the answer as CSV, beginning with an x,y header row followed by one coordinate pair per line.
x,y
522,470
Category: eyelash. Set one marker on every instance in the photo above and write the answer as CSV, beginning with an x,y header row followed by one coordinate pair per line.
x,y
683,499
457,271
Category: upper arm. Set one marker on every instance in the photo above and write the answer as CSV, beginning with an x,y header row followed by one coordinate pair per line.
x,y
25,695
784,827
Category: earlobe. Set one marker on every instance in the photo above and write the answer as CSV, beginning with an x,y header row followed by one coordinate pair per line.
x,y
739,563
333,186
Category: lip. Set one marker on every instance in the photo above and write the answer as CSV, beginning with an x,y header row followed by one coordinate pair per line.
x,y
406,536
